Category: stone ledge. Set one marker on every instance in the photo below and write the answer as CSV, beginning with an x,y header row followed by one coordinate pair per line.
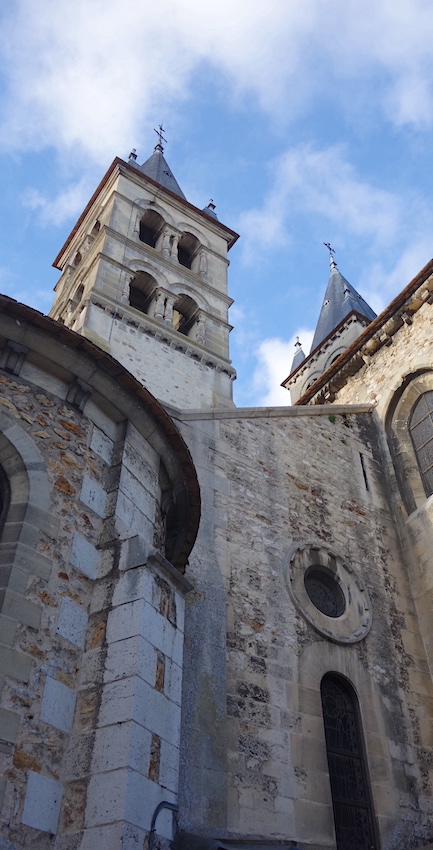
x,y
269,412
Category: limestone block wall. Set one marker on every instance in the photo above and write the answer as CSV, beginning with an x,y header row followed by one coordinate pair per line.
x,y
403,370
91,612
271,481
409,350
174,371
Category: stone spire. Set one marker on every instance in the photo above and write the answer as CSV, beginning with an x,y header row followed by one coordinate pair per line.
x,y
157,168
298,357
340,299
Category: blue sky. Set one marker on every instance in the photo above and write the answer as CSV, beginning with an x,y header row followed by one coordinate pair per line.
x,y
306,121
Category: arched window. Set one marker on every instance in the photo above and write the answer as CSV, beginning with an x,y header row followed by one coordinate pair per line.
x,y
188,249
184,314
351,798
141,291
151,225
421,432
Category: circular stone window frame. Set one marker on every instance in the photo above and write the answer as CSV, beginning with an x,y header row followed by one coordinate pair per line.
x,y
354,623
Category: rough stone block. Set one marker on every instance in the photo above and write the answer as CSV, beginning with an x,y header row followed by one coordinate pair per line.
x,y
42,803
84,556
113,835
169,767
139,491
132,519
130,657
72,623
135,552
173,681
15,664
7,630
122,745
133,585
23,610
102,445
58,705
9,725
93,496
134,699
105,420
139,617
106,797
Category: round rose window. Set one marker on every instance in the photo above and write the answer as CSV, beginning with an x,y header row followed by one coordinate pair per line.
x,y
329,593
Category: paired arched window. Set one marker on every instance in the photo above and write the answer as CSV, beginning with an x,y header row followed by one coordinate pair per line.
x,y
141,291
421,432
187,250
151,225
184,314
351,797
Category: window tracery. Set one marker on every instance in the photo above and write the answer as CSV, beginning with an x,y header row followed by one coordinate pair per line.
x,y
351,799
421,432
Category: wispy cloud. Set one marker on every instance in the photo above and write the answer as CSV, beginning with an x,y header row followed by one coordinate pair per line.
x,y
274,359
324,184
87,76
63,206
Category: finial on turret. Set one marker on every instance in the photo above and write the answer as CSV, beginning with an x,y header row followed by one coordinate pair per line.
x,y
210,209
332,262
133,155
299,356
159,133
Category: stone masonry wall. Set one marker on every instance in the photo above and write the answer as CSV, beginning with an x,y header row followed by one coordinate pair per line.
x,y
410,349
272,479
90,706
49,697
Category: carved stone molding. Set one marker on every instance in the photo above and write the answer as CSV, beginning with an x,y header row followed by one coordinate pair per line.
x,y
328,593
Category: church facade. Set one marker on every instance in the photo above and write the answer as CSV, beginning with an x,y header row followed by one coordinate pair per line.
x,y
216,622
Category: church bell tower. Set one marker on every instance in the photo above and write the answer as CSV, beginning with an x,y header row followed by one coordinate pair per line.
x,y
144,276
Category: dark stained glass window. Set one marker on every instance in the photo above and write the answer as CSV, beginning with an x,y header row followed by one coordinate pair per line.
x,y
353,817
325,592
421,431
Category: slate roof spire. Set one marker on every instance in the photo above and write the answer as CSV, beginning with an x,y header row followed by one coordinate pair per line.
x,y
157,168
298,357
340,299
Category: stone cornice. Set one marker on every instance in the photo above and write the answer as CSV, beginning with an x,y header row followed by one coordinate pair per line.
x,y
161,331
315,355
288,412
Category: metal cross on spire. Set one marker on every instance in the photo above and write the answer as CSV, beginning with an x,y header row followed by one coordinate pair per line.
x,y
161,138
332,262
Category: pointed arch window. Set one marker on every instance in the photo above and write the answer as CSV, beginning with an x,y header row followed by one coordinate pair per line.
x,y
421,432
351,797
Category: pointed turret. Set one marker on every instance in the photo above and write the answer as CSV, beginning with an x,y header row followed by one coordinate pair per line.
x,y
299,356
343,316
157,168
340,299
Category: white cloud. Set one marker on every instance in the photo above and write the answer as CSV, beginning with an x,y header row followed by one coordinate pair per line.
x,y
275,358
324,185
59,209
380,282
89,75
